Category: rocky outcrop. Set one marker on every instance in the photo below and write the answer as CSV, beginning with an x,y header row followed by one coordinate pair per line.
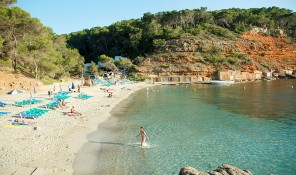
x,y
274,51
224,169
200,56
190,171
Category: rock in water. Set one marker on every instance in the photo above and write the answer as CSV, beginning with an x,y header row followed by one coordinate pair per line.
x,y
224,169
190,171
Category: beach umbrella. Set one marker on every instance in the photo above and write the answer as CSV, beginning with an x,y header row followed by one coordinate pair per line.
x,y
15,91
73,86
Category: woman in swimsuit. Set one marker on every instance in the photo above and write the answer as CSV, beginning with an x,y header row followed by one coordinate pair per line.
x,y
143,135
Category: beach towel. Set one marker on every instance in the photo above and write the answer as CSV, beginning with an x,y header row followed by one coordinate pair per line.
x,y
70,114
19,124
12,126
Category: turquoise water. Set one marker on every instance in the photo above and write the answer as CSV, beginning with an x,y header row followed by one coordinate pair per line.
x,y
250,125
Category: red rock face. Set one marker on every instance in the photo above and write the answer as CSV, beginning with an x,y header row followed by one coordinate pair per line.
x,y
267,53
275,50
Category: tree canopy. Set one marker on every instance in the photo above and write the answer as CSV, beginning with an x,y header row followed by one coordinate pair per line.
x,y
28,46
5,3
137,37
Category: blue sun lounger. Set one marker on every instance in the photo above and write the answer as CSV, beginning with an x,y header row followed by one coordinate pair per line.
x,y
35,101
52,105
61,97
2,113
33,113
64,93
3,104
84,96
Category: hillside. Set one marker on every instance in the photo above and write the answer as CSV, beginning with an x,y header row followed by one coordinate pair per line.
x,y
10,80
186,42
274,50
249,52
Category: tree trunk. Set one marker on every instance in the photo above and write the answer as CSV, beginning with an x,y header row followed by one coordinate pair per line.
x,y
14,53
36,69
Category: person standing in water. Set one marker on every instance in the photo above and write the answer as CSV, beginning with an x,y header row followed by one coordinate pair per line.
x,y
143,135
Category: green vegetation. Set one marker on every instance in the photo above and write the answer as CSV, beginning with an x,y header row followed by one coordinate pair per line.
x,y
165,66
140,37
134,77
33,48
108,62
231,60
265,64
210,58
124,63
93,68
181,55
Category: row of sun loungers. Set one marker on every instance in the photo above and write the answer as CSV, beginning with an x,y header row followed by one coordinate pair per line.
x,y
33,113
125,82
27,102
38,112
103,82
52,105
61,97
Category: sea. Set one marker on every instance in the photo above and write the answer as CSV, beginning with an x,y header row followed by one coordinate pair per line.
x,y
250,125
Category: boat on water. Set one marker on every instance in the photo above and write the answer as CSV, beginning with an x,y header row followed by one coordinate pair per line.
x,y
222,82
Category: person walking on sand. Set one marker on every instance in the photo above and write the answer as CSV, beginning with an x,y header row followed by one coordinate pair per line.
x,y
143,135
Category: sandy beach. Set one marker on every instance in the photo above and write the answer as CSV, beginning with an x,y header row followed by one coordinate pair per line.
x,y
49,145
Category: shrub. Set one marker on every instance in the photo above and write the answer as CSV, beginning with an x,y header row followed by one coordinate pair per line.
x,y
166,55
4,63
214,58
47,81
197,54
165,66
241,56
134,77
264,64
182,55
231,60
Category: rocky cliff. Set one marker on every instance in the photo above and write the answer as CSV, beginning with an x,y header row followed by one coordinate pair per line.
x,y
205,55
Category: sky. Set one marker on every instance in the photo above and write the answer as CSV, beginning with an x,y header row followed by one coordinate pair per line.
x,y
66,16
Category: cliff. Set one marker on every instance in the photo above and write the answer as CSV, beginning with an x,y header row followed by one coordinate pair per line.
x,y
205,55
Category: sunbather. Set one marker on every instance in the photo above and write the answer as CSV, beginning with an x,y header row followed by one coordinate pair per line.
x,y
110,95
62,104
73,111
16,121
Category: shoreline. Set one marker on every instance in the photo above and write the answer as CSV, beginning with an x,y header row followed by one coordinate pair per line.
x,y
50,145
92,156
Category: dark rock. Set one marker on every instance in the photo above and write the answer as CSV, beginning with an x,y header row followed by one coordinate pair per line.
x,y
190,171
224,169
